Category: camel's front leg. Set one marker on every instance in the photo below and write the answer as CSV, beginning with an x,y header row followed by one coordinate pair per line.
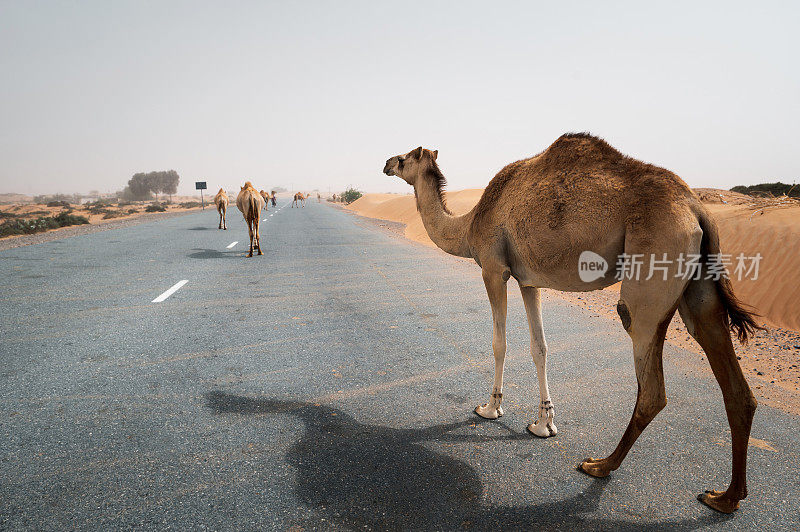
x,y
544,426
496,289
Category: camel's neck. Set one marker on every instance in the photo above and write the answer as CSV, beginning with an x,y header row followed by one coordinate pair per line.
x,y
447,231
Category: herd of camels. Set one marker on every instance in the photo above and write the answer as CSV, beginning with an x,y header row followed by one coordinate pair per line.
x,y
532,223
250,202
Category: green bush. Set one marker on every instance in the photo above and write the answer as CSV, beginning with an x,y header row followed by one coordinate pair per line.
x,y
155,207
190,204
64,219
769,189
43,223
350,195
133,211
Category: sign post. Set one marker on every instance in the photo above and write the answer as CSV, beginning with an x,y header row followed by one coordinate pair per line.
x,y
201,186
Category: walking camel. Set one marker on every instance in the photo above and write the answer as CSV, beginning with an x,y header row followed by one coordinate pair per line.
x,y
221,201
265,197
299,196
249,202
272,197
534,220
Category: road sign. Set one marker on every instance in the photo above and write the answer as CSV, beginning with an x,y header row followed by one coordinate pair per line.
x,y
201,186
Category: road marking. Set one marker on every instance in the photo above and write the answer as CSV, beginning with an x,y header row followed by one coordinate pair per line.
x,y
232,244
171,291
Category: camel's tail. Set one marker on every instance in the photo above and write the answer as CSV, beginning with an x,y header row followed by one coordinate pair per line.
x,y
741,318
253,214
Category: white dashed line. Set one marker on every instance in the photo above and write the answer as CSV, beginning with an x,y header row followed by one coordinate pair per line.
x,y
232,244
169,292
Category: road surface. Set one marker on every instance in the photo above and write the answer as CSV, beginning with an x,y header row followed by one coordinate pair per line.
x,y
329,384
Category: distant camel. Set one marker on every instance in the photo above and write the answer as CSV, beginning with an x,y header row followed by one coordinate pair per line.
x,y
249,202
319,198
265,197
299,196
272,197
535,222
221,201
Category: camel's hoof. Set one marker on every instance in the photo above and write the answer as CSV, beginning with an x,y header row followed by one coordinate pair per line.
x,y
259,252
543,430
718,501
488,412
595,468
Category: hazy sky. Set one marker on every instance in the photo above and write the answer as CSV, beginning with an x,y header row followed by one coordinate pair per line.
x,y
320,94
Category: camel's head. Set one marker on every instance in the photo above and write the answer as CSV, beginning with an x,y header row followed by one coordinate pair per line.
x,y
408,166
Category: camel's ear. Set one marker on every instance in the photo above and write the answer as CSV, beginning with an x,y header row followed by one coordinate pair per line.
x,y
435,154
418,153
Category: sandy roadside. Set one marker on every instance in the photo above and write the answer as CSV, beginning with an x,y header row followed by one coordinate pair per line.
x,y
771,360
96,224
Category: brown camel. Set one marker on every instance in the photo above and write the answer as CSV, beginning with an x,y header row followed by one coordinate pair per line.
x,y
299,197
265,197
221,201
536,219
249,202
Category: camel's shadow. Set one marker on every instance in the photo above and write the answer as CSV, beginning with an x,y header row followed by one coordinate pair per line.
x,y
380,477
201,228
214,254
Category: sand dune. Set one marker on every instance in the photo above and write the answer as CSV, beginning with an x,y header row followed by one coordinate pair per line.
x,y
775,234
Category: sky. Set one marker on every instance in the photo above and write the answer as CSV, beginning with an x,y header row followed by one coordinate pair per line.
x,y
317,95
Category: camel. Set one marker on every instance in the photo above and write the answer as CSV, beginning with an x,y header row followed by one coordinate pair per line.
x,y
272,197
249,202
221,201
534,221
302,198
319,198
265,197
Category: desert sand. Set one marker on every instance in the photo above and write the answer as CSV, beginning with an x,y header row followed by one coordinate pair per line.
x,y
772,358
26,211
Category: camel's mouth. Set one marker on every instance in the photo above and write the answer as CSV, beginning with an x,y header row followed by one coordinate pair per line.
x,y
388,170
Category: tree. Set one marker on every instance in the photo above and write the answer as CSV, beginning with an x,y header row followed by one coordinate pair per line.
x,y
140,186
169,183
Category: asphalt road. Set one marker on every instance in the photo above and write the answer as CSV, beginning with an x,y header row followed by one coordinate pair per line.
x,y
329,384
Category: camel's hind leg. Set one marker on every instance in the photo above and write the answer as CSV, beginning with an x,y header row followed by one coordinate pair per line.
x,y
544,426
704,315
648,300
498,295
648,342
252,236
258,234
